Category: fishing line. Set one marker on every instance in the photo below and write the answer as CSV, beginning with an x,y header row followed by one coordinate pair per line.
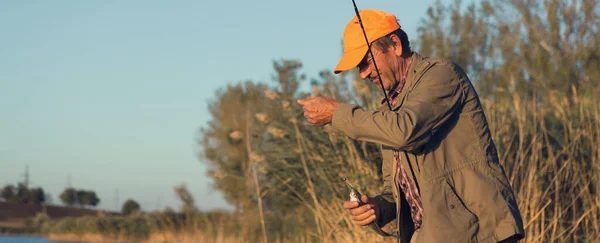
x,y
371,52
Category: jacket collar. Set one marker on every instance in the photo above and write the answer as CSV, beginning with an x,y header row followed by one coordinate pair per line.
x,y
418,64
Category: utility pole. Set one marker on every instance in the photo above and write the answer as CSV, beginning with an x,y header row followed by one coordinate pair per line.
x,y
117,200
26,175
69,180
158,203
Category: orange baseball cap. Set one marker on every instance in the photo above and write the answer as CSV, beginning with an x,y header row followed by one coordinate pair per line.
x,y
377,24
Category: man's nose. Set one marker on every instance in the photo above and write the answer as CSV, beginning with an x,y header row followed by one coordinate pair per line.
x,y
363,73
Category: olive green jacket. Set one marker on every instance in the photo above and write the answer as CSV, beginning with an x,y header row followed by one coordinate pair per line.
x,y
442,132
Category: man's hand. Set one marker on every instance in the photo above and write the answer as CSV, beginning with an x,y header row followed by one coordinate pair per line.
x,y
318,110
364,214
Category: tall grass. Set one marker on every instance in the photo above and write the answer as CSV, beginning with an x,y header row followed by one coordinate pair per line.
x,y
550,149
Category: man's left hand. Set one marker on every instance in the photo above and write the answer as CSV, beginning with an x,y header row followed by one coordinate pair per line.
x,y
318,110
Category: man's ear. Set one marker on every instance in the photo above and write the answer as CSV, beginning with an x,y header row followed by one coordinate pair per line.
x,y
397,45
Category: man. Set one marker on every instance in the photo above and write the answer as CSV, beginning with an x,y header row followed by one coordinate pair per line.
x,y
442,178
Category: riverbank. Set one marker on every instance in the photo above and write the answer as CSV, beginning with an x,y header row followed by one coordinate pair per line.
x,y
24,239
85,238
165,237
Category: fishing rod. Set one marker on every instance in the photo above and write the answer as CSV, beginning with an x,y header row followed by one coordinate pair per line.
x,y
372,56
355,195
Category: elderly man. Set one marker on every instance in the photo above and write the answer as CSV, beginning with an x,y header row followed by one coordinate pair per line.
x,y
442,178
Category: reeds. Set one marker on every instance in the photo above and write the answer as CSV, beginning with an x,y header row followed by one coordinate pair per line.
x,y
550,149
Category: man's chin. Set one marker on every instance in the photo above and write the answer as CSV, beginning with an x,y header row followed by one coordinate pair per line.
x,y
386,89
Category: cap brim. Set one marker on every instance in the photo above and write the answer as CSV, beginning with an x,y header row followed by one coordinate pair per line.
x,y
351,59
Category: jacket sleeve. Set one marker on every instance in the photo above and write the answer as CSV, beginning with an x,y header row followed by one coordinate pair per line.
x,y
430,103
385,199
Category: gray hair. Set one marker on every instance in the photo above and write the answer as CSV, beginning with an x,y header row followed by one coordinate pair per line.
x,y
384,42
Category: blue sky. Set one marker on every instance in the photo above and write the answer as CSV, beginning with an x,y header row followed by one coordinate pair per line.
x,y
114,92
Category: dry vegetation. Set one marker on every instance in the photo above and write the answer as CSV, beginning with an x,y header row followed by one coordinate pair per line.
x,y
535,64
550,151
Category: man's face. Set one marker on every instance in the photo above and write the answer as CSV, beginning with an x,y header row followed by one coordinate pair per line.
x,y
388,63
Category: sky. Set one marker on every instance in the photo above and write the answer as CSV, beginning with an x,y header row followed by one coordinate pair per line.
x,y
109,96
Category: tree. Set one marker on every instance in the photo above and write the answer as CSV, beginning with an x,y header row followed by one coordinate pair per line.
x,y
69,196
87,198
8,193
252,114
82,198
519,47
257,155
224,142
92,198
184,195
37,196
130,206
23,194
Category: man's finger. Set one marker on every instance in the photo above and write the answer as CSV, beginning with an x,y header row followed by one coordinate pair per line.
x,y
312,116
310,107
304,102
364,198
364,216
350,205
309,118
360,210
367,221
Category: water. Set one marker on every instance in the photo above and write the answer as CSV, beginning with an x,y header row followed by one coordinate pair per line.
x,y
24,239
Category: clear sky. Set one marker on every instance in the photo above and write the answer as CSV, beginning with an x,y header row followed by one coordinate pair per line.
x,y
114,92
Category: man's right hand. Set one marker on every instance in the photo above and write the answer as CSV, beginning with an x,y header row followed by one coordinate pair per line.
x,y
364,214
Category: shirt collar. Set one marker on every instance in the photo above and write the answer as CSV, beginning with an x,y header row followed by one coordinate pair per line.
x,y
393,94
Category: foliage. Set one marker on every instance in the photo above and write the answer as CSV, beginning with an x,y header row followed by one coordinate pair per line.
x,y
535,64
130,206
8,193
37,224
548,149
188,203
523,59
71,197
518,46
23,194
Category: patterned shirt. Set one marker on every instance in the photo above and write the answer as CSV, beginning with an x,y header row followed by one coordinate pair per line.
x,y
410,191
